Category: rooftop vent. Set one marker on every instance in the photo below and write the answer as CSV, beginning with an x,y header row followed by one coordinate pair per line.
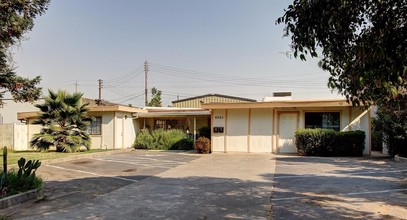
x,y
279,96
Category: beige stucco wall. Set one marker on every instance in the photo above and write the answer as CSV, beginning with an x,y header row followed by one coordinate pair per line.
x,y
218,139
129,131
261,130
260,138
362,123
122,128
237,124
21,142
107,131
6,136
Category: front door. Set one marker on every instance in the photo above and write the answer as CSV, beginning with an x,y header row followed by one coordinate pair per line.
x,y
288,123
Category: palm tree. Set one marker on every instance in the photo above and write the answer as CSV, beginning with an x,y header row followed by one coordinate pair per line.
x,y
64,120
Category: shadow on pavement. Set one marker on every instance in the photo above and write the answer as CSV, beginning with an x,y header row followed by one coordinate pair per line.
x,y
338,188
152,198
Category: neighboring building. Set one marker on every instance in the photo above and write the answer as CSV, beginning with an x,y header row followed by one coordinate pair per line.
x,y
195,102
269,127
8,113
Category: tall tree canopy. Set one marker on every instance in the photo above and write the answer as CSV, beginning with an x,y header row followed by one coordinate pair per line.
x,y
64,120
363,44
155,98
16,19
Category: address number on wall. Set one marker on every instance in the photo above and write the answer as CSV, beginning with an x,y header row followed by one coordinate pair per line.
x,y
218,116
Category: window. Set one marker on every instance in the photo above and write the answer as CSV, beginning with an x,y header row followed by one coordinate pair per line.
x,y
95,127
170,124
159,124
328,120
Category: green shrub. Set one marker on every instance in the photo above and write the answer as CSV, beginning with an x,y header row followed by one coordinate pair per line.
x,y
14,182
184,144
161,139
392,126
205,132
350,143
326,142
144,139
203,145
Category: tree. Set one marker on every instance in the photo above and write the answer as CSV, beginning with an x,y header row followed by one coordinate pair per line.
x,y
362,44
392,126
17,18
64,120
156,98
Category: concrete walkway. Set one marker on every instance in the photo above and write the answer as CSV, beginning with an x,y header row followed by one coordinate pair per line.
x,y
215,186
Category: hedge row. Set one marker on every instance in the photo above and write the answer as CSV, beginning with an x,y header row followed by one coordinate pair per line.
x,y
161,139
326,142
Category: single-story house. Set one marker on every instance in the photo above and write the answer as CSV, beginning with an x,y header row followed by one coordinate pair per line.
x,y
252,127
269,127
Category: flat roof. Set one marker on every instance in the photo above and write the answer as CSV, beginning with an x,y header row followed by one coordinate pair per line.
x,y
278,104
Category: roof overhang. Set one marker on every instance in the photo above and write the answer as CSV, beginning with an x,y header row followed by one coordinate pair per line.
x,y
115,108
278,104
162,113
91,110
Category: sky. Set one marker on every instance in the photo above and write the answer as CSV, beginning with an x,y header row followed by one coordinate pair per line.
x,y
230,47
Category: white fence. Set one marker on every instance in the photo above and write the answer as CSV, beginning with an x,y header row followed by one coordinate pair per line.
x,y
17,136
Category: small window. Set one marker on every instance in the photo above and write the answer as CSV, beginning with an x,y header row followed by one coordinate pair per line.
x,y
95,127
327,120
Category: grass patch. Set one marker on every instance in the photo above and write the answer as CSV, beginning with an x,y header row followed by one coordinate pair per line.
x,y
14,156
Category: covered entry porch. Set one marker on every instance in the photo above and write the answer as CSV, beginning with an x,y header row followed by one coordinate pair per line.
x,y
189,120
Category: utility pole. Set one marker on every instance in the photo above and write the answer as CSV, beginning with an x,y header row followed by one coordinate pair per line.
x,y
76,86
99,101
145,82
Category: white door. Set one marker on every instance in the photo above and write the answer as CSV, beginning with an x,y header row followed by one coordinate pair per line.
x,y
287,128
119,132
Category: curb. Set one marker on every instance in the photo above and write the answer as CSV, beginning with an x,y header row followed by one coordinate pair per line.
x,y
400,159
90,155
22,197
78,157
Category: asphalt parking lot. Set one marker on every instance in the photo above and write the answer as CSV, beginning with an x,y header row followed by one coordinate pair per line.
x,y
157,185
339,188
78,181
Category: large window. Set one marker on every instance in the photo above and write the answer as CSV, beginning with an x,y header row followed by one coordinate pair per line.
x,y
328,120
95,127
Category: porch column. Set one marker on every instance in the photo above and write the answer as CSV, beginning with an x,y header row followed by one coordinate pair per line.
x,y
194,129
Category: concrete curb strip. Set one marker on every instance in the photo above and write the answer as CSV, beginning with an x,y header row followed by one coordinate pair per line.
x,y
78,157
400,159
22,197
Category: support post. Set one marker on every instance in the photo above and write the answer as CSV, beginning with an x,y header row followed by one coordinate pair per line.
x,y
194,129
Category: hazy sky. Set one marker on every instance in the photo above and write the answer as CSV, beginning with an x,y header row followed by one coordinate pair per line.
x,y
230,47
